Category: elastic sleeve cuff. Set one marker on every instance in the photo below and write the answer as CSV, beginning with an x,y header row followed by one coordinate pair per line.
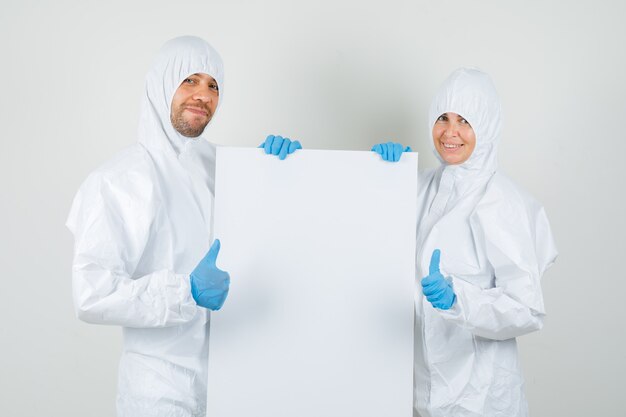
x,y
188,306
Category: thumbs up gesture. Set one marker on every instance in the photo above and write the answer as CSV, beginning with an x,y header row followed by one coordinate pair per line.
x,y
209,284
436,288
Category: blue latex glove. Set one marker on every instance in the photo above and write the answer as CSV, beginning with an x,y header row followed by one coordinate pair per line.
x,y
436,288
390,151
209,284
277,145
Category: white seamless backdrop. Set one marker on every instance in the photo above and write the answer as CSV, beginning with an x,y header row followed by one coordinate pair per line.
x,y
341,74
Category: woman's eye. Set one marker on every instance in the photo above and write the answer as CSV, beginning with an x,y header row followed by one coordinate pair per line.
x,y
442,118
214,87
463,121
188,81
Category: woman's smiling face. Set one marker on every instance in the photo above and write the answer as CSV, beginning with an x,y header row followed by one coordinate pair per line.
x,y
454,138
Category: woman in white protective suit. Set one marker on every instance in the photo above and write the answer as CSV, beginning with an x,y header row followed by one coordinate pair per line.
x,y
482,246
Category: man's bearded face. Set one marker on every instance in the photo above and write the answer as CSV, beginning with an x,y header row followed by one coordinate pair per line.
x,y
194,104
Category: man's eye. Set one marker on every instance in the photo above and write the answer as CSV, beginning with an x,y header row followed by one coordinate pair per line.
x,y
442,118
464,121
214,87
188,81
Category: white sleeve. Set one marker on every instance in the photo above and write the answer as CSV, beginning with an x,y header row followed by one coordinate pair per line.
x,y
111,226
518,243
493,313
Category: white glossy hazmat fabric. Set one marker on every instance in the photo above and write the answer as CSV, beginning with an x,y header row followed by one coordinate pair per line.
x,y
495,243
141,223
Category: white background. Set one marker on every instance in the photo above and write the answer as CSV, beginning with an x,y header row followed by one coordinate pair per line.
x,y
336,75
321,251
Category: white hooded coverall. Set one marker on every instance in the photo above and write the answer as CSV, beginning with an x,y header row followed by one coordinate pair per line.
x,y
141,223
495,243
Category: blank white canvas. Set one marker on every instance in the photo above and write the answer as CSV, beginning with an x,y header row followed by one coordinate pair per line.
x,y
320,248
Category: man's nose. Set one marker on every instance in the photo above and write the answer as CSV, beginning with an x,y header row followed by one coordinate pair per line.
x,y
202,94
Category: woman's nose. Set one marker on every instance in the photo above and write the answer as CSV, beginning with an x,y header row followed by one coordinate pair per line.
x,y
451,131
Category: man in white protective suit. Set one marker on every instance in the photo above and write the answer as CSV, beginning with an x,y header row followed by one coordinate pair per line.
x,y
142,225
483,246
